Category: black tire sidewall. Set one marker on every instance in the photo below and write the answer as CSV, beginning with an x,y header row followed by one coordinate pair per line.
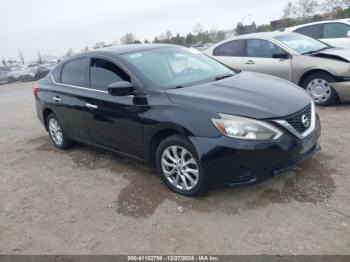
x,y
65,143
330,79
177,140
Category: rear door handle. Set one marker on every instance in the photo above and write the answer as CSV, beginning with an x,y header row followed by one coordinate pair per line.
x,y
88,105
250,62
56,99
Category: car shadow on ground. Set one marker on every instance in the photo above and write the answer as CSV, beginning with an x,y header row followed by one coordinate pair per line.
x,y
311,182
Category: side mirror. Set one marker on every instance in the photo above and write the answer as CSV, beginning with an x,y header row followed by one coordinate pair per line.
x,y
122,88
281,56
348,34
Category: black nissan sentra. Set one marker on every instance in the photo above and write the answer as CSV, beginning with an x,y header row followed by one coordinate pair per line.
x,y
197,121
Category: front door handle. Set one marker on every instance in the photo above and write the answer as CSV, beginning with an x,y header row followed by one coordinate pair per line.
x,y
88,105
56,99
250,62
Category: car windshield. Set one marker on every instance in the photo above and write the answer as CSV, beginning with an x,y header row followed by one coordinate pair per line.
x,y
302,44
175,67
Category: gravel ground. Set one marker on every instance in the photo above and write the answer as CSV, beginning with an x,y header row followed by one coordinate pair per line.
x,y
89,201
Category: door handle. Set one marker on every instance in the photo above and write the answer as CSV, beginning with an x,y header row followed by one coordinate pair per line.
x,y
88,105
56,99
250,62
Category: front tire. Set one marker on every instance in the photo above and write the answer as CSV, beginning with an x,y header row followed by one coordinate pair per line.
x,y
319,87
56,133
179,167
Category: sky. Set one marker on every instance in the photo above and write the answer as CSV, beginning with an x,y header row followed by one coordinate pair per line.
x,y
54,26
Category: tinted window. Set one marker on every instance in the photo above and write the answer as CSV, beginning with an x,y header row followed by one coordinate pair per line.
x,y
233,48
74,72
262,48
314,31
335,30
103,73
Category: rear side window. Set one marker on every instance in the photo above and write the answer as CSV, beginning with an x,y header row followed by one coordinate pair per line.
x,y
262,48
56,74
335,30
103,73
314,31
74,72
233,48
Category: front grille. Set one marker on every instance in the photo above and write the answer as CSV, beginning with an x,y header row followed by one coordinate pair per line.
x,y
296,120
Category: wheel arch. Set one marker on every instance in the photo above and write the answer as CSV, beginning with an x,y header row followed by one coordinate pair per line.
x,y
159,135
311,72
46,112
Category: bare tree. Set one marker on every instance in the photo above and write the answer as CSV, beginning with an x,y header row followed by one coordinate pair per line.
x,y
331,6
301,9
69,52
99,45
21,56
168,35
128,38
288,10
40,58
197,29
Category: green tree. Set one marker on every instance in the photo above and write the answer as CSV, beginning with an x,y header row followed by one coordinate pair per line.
x,y
239,29
264,28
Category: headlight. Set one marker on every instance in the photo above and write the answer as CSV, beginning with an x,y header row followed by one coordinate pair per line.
x,y
246,128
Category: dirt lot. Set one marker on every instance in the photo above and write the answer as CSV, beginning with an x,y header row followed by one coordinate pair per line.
x,y
88,201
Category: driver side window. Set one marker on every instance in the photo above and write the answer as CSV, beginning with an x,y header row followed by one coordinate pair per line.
x,y
262,48
103,73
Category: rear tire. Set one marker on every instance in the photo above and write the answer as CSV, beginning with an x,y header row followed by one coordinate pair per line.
x,y
318,86
56,132
179,167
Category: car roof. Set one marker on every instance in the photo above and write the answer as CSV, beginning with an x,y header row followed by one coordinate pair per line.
x,y
130,48
115,51
262,35
345,20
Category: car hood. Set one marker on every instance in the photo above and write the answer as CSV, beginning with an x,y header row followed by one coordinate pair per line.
x,y
246,94
340,54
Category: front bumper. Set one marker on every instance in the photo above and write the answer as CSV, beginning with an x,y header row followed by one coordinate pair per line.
x,y
343,90
238,162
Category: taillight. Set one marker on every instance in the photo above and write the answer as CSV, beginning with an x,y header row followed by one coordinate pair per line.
x,y
35,90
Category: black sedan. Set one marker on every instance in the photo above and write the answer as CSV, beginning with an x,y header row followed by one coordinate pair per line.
x,y
197,121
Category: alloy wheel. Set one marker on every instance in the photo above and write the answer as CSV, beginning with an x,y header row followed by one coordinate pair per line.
x,y
55,131
180,167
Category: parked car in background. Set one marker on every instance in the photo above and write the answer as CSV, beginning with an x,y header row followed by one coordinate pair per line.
x,y
319,68
197,121
49,65
335,32
33,72
4,74
15,73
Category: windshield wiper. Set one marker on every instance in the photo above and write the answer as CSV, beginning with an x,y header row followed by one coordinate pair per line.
x,y
316,51
223,76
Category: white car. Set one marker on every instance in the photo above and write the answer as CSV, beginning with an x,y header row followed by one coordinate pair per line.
x,y
322,70
335,32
